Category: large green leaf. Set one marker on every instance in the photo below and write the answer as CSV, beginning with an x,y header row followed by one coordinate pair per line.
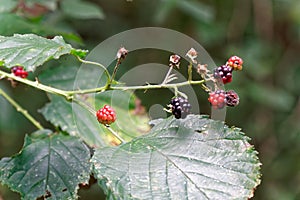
x,y
192,158
30,50
81,9
48,165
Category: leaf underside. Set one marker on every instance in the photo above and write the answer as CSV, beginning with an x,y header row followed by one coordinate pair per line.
x,y
193,158
51,166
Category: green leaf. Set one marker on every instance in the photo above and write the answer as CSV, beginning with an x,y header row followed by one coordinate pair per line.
x,y
48,165
30,50
7,5
192,158
11,24
81,9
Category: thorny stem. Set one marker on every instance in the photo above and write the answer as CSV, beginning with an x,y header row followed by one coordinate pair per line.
x,y
115,134
21,110
69,95
160,86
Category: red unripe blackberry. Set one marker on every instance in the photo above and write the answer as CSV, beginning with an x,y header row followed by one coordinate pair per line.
x,y
217,99
235,62
232,98
224,73
106,115
19,71
180,107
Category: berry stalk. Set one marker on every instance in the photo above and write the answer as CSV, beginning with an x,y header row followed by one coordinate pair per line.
x,y
99,65
21,110
115,134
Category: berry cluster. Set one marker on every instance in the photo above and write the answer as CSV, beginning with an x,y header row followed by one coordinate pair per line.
x,y
106,115
224,72
19,71
220,98
235,62
180,107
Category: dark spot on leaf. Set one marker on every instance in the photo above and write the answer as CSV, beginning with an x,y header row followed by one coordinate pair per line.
x,y
65,189
48,194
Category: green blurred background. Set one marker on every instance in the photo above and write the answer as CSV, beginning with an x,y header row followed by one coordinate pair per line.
x,y
265,33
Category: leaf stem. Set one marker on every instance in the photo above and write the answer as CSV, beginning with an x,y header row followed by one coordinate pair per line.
x,y
21,110
109,79
115,134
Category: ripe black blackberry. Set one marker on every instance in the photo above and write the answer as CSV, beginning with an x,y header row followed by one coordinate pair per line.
x,y
180,107
224,73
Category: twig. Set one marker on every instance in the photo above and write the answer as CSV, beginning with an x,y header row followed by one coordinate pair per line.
x,y
115,134
21,110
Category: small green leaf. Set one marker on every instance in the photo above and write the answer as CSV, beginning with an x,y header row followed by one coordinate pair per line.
x,y
48,165
81,9
79,52
30,50
192,158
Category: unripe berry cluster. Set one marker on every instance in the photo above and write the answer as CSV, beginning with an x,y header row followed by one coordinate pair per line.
x,y
19,71
220,98
224,72
106,115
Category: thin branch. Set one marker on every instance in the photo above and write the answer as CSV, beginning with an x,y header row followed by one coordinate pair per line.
x,y
167,75
147,87
115,134
97,64
21,110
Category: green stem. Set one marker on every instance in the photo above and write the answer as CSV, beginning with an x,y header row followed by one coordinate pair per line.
x,y
99,65
147,87
190,71
67,94
21,110
115,71
115,134
70,94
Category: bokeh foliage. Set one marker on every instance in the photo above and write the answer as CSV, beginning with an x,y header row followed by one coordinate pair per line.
x,y
266,34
